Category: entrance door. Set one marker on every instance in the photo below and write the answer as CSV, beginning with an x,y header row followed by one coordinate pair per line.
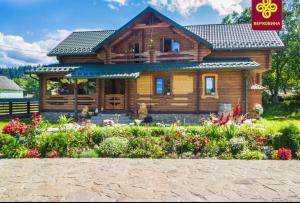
x,y
115,94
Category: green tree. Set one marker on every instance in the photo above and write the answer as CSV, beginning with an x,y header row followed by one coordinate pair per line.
x,y
30,85
244,17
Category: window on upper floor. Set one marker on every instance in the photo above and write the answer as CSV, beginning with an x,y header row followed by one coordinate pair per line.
x,y
170,45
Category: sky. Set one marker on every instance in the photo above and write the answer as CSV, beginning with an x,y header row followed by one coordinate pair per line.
x,y
29,29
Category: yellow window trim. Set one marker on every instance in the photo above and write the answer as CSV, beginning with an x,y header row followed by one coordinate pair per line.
x,y
204,96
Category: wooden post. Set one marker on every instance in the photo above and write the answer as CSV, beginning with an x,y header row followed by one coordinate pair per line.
x,y
198,91
28,107
41,91
76,99
10,108
246,75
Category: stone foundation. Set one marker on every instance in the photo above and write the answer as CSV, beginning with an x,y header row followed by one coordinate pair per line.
x,y
54,116
183,118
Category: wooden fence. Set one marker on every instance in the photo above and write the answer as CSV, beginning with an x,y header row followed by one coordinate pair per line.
x,y
9,107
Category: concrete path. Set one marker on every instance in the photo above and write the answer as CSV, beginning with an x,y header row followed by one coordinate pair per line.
x,y
148,180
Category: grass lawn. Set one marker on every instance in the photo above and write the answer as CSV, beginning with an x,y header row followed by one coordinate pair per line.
x,y
274,125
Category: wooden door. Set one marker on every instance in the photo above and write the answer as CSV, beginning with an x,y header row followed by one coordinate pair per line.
x,y
115,94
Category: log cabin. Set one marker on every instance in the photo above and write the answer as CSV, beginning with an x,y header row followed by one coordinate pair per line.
x,y
153,60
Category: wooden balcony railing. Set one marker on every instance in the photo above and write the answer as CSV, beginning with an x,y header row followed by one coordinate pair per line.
x,y
115,102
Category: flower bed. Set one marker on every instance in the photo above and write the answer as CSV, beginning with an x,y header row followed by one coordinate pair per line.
x,y
230,136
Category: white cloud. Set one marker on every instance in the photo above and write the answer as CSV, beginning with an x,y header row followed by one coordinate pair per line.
x,y
15,51
120,2
186,7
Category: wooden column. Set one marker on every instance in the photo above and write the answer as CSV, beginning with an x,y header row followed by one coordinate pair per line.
x,y
198,91
245,85
102,93
135,104
41,92
76,99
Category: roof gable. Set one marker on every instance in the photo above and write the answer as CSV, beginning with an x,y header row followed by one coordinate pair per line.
x,y
159,16
7,84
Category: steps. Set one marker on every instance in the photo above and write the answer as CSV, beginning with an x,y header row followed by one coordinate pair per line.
x,y
122,117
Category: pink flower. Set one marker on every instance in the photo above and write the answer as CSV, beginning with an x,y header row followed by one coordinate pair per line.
x,y
32,153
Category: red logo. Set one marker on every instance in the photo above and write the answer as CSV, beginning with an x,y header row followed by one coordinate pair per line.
x,y
266,14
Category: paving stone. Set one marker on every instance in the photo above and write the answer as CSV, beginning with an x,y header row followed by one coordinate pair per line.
x,y
148,180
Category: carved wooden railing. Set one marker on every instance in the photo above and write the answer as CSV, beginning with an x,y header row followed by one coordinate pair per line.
x,y
66,102
129,57
157,56
115,102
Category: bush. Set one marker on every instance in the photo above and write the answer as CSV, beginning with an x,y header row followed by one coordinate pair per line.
x,y
237,145
98,135
54,142
137,131
288,138
113,147
7,140
89,154
211,149
13,151
145,147
250,155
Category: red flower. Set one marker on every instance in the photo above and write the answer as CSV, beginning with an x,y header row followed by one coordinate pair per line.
x,y
178,134
224,122
261,140
237,111
32,153
222,117
284,154
243,119
206,141
167,138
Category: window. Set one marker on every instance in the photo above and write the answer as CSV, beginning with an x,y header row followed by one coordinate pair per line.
x,y
170,45
210,86
163,86
61,86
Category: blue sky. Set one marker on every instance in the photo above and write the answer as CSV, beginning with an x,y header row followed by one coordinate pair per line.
x,y
30,28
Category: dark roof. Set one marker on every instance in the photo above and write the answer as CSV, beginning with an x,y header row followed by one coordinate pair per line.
x,y
7,84
134,70
81,43
236,36
217,36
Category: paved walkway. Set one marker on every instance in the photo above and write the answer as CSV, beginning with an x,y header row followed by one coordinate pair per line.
x,y
148,180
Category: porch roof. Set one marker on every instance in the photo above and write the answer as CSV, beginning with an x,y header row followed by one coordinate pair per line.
x,y
134,70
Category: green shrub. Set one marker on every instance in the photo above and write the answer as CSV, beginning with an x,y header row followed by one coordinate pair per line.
x,y
54,141
7,140
138,131
159,131
88,154
13,151
145,147
113,147
226,157
237,145
211,149
98,135
289,138
250,155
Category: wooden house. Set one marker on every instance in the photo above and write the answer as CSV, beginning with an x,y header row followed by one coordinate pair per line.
x,y
154,60
9,89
